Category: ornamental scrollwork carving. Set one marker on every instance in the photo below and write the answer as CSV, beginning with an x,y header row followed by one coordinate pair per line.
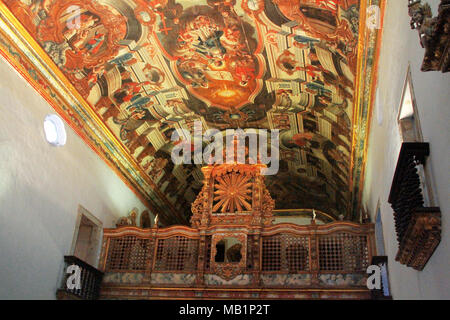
x,y
129,220
422,20
434,33
268,204
198,207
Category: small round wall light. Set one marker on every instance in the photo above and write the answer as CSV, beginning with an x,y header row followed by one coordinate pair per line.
x,y
55,133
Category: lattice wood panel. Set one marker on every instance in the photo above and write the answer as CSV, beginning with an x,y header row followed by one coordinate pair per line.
x,y
176,254
128,253
286,253
343,252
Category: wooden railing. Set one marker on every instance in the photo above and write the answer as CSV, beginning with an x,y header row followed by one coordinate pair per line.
x,y
90,281
335,255
418,227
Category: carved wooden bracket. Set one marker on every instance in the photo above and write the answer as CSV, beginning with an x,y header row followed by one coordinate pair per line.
x,y
421,238
418,228
434,34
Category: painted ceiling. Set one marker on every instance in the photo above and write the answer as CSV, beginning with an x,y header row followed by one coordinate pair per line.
x,y
146,68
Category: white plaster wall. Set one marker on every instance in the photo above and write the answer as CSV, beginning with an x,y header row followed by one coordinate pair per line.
x,y
400,46
41,188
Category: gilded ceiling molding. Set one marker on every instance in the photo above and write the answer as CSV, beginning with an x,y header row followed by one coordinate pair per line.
x,y
28,58
368,57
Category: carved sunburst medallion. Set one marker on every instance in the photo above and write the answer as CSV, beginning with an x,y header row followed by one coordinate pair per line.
x,y
232,193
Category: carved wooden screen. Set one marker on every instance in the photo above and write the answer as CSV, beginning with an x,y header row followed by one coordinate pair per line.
x,y
271,253
285,252
128,253
343,252
176,254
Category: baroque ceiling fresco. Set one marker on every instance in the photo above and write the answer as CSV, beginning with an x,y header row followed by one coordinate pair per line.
x,y
147,68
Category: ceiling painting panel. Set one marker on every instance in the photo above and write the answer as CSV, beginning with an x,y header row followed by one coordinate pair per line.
x,y
149,68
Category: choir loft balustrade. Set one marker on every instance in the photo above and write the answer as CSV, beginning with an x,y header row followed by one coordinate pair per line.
x,y
234,251
282,261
